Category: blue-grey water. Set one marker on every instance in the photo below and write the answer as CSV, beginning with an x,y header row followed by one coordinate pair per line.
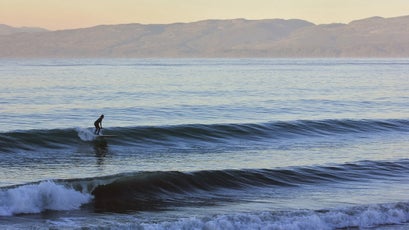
x,y
204,144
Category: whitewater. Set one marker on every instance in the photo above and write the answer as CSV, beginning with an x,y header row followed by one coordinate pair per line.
x,y
204,144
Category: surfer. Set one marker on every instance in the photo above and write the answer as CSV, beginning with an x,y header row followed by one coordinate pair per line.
x,y
98,124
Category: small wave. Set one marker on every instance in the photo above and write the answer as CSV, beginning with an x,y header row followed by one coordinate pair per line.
x,y
180,135
36,198
32,140
271,130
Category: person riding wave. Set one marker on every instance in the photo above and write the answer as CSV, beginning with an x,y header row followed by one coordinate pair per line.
x,y
98,124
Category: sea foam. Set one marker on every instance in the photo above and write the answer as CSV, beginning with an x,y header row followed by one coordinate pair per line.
x,y
85,134
394,215
352,217
36,198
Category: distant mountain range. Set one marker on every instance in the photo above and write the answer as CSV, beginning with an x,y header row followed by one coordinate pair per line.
x,y
371,37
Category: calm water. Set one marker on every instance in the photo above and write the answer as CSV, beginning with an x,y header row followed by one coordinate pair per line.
x,y
205,143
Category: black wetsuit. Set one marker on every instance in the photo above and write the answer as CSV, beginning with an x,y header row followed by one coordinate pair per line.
x,y
98,125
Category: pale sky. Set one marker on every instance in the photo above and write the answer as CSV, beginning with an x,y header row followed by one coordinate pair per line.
x,y
67,14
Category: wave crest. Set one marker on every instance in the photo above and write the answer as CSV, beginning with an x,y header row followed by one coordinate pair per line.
x,y
36,198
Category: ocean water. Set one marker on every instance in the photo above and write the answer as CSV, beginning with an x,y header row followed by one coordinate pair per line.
x,y
204,144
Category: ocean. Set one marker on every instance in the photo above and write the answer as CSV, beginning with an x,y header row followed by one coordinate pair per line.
x,y
204,144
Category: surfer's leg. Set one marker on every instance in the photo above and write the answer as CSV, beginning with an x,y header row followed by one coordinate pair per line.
x,y
96,125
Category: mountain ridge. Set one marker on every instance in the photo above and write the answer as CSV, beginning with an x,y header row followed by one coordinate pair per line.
x,y
370,37
7,30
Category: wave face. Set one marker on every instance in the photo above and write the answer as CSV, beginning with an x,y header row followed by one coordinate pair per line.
x,y
143,191
152,191
156,190
197,133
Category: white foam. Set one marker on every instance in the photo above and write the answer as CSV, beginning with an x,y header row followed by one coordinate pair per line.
x,y
37,198
371,216
86,134
360,217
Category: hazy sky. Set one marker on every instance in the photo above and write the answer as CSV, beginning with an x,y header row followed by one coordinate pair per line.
x,y
64,14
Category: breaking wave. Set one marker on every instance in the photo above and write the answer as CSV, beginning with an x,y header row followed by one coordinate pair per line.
x,y
142,191
36,198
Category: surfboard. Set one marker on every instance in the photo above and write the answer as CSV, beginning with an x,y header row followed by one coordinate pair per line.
x,y
102,136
